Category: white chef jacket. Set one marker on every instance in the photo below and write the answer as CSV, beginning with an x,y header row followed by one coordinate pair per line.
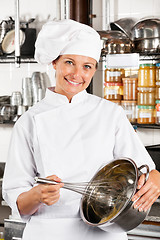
x,y
71,140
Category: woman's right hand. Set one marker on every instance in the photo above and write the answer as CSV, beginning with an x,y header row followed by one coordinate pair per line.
x,y
50,194
29,202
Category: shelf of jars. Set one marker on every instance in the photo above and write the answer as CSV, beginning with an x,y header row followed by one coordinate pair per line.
x,y
133,81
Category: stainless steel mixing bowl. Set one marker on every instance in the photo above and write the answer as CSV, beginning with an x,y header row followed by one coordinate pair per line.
x,y
116,213
146,28
125,25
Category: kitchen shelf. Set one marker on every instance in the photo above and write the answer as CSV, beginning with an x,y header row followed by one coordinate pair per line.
x,y
11,59
151,126
9,123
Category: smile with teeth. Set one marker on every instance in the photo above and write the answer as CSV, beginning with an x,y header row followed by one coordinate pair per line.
x,y
74,83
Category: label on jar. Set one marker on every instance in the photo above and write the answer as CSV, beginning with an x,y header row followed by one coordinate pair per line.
x,y
114,74
145,115
158,114
111,91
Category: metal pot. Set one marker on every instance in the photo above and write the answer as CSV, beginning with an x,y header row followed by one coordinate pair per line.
x,y
7,112
116,213
147,45
116,42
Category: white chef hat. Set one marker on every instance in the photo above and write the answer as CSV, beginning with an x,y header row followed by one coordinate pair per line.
x,y
66,37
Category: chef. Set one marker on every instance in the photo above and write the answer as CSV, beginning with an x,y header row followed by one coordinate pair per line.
x,y
69,135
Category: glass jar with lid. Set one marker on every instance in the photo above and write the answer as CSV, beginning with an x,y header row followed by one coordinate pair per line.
x,y
146,114
130,110
158,90
130,88
113,91
146,96
157,120
114,75
158,72
147,75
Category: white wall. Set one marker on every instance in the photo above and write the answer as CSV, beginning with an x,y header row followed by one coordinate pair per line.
x,y
124,8
11,78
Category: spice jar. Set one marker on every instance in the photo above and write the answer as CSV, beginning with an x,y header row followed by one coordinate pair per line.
x,y
158,72
146,114
158,90
130,88
113,91
130,110
114,75
147,75
146,96
157,120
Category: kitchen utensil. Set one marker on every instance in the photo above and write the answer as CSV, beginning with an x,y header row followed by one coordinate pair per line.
x,y
82,188
116,42
146,35
116,214
21,109
8,43
27,91
125,25
16,98
4,100
7,112
38,87
147,45
146,28
5,26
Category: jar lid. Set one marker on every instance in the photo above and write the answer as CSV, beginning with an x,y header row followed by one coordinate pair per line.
x,y
157,101
157,83
114,69
146,89
129,79
147,65
107,84
145,107
125,101
157,64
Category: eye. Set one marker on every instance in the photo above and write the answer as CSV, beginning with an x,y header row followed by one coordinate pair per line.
x,y
87,66
69,62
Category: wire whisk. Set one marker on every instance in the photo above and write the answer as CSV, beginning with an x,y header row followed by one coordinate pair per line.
x,y
98,190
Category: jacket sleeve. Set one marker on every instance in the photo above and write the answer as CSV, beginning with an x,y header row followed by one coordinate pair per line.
x,y
20,168
128,143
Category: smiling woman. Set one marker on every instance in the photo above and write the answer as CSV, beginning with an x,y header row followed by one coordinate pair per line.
x,y
69,134
73,74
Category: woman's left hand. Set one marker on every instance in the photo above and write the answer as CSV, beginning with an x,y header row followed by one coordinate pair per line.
x,y
148,192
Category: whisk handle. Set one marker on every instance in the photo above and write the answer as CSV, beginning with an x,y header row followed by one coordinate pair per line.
x,y
48,181
45,181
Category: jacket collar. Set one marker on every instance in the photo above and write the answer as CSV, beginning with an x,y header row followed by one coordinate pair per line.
x,y
57,99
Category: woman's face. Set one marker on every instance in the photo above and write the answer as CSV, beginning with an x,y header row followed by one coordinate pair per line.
x,y
73,74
